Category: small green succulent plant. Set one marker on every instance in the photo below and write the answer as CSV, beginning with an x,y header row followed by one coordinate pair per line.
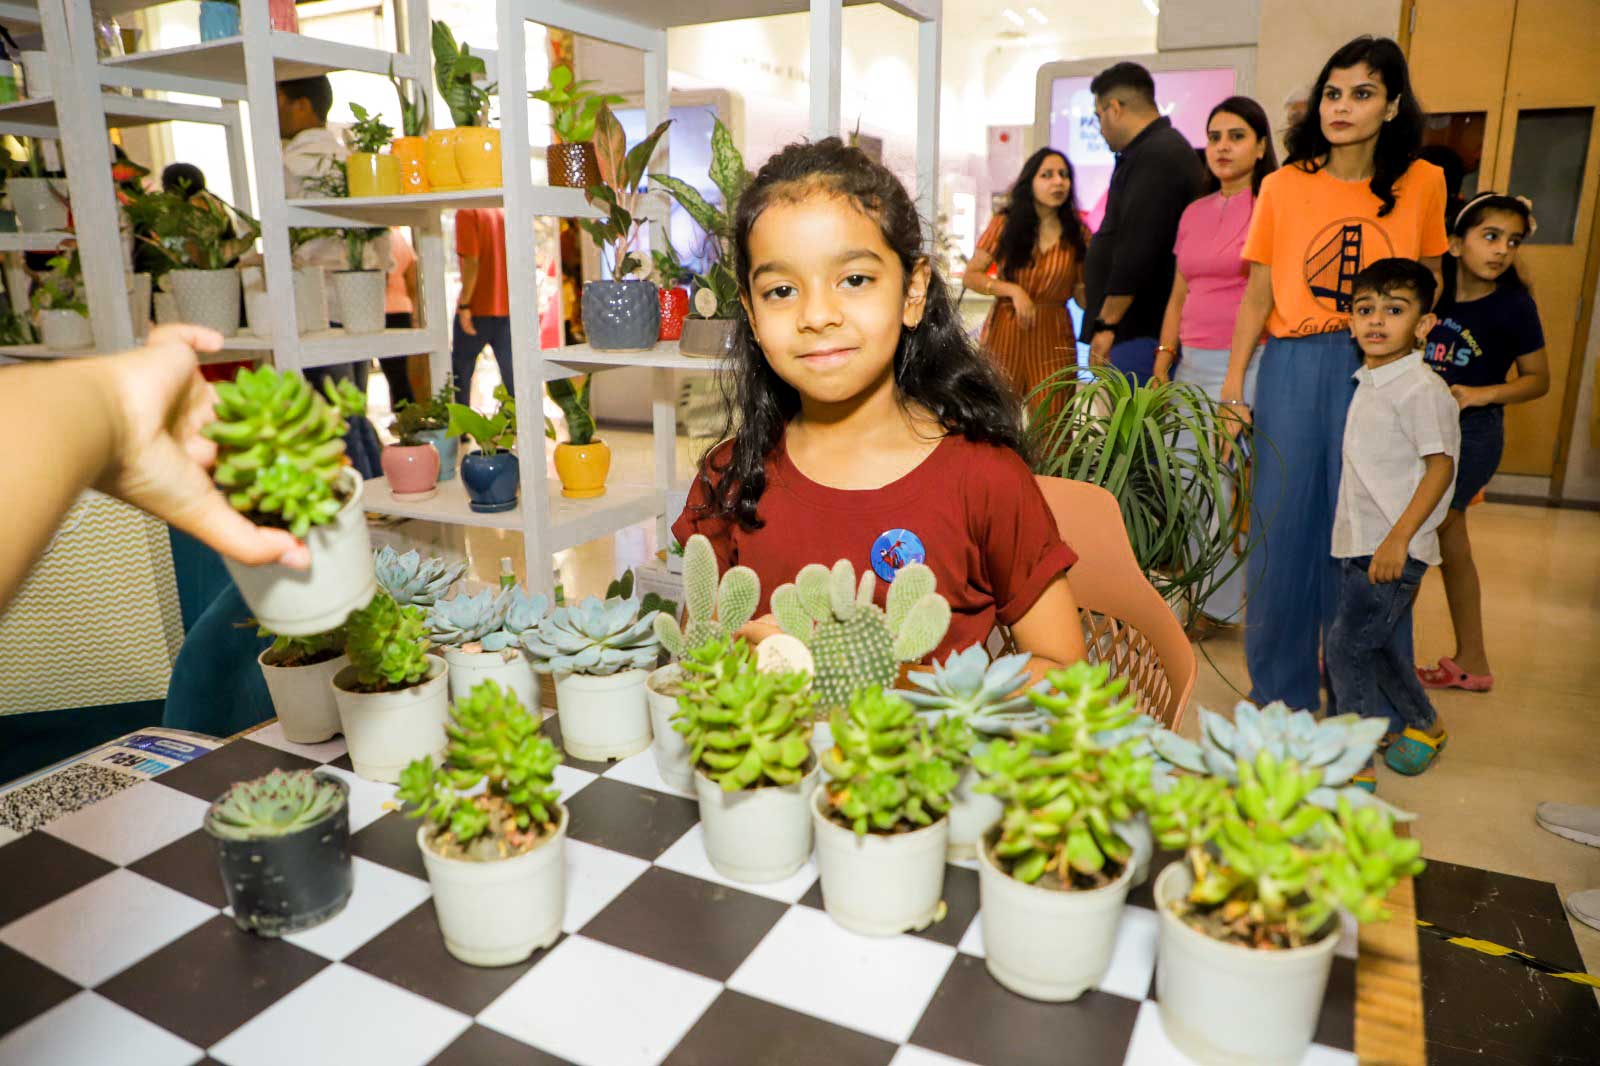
x,y
715,611
991,696
280,446
410,578
387,645
276,805
594,637
855,644
890,770
495,743
744,728
303,651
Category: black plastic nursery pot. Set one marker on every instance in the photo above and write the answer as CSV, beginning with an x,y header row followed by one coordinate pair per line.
x,y
281,885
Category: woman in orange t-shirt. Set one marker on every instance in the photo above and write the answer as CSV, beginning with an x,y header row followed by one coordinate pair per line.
x,y
1351,192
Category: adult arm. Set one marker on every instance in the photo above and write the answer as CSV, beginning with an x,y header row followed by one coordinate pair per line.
x,y
413,293
1532,381
1247,326
469,285
1439,471
976,277
1169,327
1051,632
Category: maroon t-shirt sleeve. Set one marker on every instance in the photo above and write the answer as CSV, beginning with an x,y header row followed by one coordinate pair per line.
x,y
1017,537
699,513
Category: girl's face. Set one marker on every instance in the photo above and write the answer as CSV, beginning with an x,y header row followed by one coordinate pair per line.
x,y
1489,248
1232,147
1051,185
1355,105
828,298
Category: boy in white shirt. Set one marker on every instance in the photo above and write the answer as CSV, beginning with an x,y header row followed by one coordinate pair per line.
x,y
1401,441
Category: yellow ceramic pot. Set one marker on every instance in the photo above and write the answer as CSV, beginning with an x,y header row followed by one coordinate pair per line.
x,y
478,157
583,469
443,174
373,175
411,160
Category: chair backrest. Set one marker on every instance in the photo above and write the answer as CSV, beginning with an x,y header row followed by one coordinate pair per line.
x,y
1126,623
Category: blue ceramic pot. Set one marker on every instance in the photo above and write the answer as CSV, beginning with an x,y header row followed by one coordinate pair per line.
x,y
218,20
490,480
621,316
448,447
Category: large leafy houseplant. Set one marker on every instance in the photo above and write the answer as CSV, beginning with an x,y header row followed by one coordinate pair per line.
x,y
492,433
731,178
454,68
619,194
61,287
193,233
574,107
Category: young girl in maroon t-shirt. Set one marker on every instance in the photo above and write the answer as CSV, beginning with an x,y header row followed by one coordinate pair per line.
x,y
869,427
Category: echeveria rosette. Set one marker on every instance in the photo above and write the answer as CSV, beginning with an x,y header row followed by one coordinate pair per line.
x,y
411,579
745,728
467,619
991,696
888,768
275,805
595,637
523,614
387,645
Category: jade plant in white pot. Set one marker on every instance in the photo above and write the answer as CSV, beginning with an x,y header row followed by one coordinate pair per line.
x,y
299,672
749,739
494,832
600,652
393,697
480,637
281,462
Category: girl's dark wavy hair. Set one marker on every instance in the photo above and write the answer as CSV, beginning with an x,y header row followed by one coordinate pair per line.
x,y
936,364
1468,217
1251,114
1398,139
1020,234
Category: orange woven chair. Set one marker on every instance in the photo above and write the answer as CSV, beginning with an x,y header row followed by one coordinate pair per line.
x,y
1126,623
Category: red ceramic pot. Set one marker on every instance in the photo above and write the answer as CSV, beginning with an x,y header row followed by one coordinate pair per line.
x,y
674,309
412,471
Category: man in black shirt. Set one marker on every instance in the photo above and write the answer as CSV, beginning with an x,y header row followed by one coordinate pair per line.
x,y
1128,271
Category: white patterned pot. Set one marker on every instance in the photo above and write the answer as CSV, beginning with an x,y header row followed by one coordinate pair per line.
x,y
499,912
64,331
302,696
139,290
209,298
1229,1005
164,307
361,296
36,204
1046,943
386,730
310,301
667,745
603,717
879,884
511,669
971,815
757,834
258,313
300,603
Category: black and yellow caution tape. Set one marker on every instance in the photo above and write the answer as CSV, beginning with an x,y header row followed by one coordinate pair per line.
x,y
1489,947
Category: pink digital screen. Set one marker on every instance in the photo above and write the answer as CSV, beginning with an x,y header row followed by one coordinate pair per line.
x,y
1184,96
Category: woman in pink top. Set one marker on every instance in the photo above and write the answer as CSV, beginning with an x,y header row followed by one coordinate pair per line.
x,y
399,307
1211,276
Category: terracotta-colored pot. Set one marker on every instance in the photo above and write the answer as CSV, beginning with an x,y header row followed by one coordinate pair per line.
x,y
443,174
372,174
412,470
478,156
583,469
674,309
411,157
574,166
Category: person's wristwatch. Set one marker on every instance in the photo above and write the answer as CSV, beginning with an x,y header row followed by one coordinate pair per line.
x,y
1100,325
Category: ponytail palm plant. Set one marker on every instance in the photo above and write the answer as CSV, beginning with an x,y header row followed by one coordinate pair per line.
x,y
1170,455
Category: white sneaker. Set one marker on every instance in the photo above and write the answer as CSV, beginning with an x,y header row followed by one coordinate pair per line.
x,y
1585,906
1571,821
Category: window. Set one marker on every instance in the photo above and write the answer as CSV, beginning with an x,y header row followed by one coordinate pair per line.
x,y
1547,168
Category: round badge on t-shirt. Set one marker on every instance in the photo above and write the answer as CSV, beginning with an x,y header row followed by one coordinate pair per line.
x,y
895,549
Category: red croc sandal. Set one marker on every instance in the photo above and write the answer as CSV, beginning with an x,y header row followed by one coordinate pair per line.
x,y
1448,675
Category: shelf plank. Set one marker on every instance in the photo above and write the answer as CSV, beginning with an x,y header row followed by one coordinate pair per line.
x,y
33,242
448,506
664,355
656,15
19,13
121,112
572,522
294,56
336,346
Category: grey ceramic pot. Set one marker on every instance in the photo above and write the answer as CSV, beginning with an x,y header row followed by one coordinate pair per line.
x,y
621,316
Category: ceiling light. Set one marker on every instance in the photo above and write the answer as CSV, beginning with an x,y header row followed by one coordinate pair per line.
x,y
1014,18
1038,16
1152,7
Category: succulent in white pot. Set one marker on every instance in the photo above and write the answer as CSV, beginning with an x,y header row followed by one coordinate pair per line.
x,y
299,672
600,652
393,697
361,293
412,579
480,637
202,238
57,300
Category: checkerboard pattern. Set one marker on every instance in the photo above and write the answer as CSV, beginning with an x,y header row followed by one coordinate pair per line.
x,y
115,947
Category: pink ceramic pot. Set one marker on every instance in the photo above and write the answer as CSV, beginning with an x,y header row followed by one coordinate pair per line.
x,y
412,471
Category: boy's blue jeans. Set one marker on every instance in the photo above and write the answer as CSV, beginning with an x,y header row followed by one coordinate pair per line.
x,y
1367,652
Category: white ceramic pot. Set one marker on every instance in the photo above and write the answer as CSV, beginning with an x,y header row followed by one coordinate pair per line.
x,y
164,306
35,202
303,698
499,912
875,884
300,603
310,300
64,331
671,751
1138,835
511,669
1044,943
36,74
139,287
1227,1005
386,730
757,834
361,295
971,815
603,717
258,313
209,298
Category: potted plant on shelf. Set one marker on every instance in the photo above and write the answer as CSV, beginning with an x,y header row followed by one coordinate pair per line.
x,y
57,301
39,196
670,278
474,145
571,161
283,847
749,739
280,462
880,817
624,313
494,831
708,331
393,696
202,238
411,467
411,579
370,171
1249,921
480,637
299,673
410,150
361,292
600,652
432,426
715,613
582,462
490,475
1053,875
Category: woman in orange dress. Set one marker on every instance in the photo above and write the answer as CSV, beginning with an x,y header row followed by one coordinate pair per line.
x,y
1037,243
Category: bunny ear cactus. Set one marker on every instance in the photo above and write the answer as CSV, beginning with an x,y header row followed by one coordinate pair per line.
x,y
991,696
888,769
280,446
596,637
387,645
854,643
745,729
465,619
716,611
409,578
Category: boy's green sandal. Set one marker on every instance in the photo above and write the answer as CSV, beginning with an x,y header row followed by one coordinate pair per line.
x,y
1414,752
1366,777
